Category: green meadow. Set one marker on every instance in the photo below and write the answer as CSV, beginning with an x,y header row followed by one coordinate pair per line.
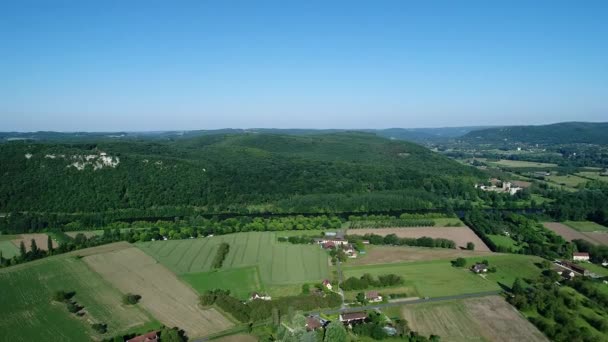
x,y
439,278
505,241
240,281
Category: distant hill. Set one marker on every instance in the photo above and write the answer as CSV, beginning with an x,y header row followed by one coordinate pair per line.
x,y
420,135
230,172
560,133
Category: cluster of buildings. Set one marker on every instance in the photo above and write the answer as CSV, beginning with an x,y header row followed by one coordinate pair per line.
x,y
570,269
332,240
505,187
315,322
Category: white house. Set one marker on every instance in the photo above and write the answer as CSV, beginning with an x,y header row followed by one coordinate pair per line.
x,y
578,256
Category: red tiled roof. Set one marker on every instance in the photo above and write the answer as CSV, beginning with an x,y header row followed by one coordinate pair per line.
x,y
312,323
149,337
581,254
351,316
372,295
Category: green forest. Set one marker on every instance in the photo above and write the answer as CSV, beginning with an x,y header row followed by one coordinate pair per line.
x,y
245,173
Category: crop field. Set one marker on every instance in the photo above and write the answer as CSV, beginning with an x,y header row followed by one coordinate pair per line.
x,y
597,269
163,295
586,226
240,281
429,278
28,314
569,233
396,254
278,263
460,235
473,319
41,241
522,164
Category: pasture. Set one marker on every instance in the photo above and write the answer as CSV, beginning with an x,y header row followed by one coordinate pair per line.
x,y
571,181
278,263
460,235
27,312
505,241
396,254
87,233
240,281
8,249
473,319
163,295
522,164
429,278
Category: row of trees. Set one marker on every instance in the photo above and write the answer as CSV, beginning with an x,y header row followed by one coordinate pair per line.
x,y
394,240
220,255
526,231
367,281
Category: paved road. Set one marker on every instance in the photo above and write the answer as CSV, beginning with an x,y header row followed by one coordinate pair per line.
x,y
408,302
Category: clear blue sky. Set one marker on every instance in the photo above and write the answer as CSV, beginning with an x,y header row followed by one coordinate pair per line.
x,y
147,65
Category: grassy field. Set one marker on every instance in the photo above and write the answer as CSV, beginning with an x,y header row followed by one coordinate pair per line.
x,y
447,221
314,232
172,302
597,269
28,314
8,249
505,241
475,319
240,281
397,254
586,226
429,278
278,263
592,175
522,164
567,180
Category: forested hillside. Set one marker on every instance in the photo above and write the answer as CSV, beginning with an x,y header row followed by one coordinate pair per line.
x,y
560,133
230,172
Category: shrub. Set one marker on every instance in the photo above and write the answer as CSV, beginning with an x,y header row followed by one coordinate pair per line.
x,y
130,299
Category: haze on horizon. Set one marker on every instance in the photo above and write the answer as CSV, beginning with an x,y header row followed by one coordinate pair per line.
x,y
154,66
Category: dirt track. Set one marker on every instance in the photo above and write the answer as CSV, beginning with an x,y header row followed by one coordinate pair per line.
x,y
163,295
460,235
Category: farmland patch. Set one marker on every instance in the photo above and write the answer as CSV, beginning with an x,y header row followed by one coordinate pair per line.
x,y
460,235
474,319
163,295
570,234
28,314
240,281
395,254
41,241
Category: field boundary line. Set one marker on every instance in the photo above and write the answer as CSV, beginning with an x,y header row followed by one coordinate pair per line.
x,y
200,248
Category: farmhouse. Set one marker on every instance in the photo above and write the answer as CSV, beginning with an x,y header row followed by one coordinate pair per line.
x,y
479,268
574,267
332,239
353,317
373,296
149,337
578,256
256,295
313,323
327,284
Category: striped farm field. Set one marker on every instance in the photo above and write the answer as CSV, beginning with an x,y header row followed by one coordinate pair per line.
x,y
27,312
278,263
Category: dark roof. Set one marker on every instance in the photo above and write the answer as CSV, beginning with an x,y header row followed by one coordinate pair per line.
x,y
149,337
352,316
574,267
480,267
312,323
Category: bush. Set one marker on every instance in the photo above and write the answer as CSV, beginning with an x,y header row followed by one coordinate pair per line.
x,y
459,262
220,255
130,299
100,327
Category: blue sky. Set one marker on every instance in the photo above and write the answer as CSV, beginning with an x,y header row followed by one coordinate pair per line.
x,y
147,65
